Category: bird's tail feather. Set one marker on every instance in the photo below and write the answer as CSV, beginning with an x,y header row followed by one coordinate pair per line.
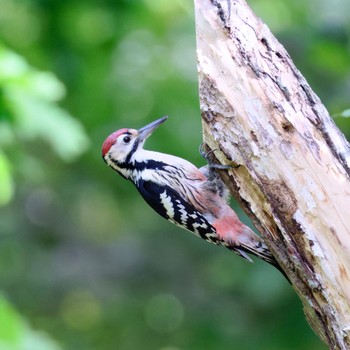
x,y
258,248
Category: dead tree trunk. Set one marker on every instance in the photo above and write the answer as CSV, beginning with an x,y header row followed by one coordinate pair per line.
x,y
294,177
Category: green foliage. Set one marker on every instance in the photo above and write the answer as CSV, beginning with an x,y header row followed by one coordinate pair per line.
x,y
81,255
343,121
6,182
15,334
29,111
343,114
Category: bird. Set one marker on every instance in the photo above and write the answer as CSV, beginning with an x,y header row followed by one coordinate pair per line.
x,y
192,198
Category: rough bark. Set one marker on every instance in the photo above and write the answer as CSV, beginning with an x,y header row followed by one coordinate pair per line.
x,y
293,181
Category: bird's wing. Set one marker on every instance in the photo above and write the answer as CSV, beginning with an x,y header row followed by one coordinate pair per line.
x,y
169,204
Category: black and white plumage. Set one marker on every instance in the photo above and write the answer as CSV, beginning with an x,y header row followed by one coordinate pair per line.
x,y
180,192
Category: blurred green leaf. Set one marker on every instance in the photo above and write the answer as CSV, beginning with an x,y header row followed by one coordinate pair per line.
x,y
343,122
6,182
11,327
36,118
28,103
16,74
343,114
15,334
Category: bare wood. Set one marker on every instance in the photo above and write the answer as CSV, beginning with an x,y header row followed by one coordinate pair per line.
x,y
259,111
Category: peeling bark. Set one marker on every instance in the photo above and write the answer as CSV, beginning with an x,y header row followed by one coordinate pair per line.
x,y
258,111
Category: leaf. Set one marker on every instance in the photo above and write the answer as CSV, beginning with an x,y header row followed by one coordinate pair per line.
x,y
37,118
15,334
6,182
343,114
11,327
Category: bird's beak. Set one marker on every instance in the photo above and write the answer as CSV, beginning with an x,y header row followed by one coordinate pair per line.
x,y
149,128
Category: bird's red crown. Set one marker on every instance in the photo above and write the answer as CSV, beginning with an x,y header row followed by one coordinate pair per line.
x,y
110,140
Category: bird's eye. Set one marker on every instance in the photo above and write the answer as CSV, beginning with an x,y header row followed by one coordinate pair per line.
x,y
126,139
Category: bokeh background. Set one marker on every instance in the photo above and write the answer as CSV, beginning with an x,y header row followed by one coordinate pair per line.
x,y
84,263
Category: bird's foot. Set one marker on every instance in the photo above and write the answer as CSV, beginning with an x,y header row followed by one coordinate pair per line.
x,y
211,165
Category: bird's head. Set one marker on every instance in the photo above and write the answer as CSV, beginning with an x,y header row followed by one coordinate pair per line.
x,y
120,146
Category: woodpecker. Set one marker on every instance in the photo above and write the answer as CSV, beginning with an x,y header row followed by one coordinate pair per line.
x,y
191,198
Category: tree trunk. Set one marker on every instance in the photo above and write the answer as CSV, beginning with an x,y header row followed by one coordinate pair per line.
x,y
293,181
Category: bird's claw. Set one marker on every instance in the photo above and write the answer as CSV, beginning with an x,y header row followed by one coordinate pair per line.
x,y
212,165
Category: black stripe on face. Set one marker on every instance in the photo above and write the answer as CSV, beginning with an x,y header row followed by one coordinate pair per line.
x,y
132,151
140,166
